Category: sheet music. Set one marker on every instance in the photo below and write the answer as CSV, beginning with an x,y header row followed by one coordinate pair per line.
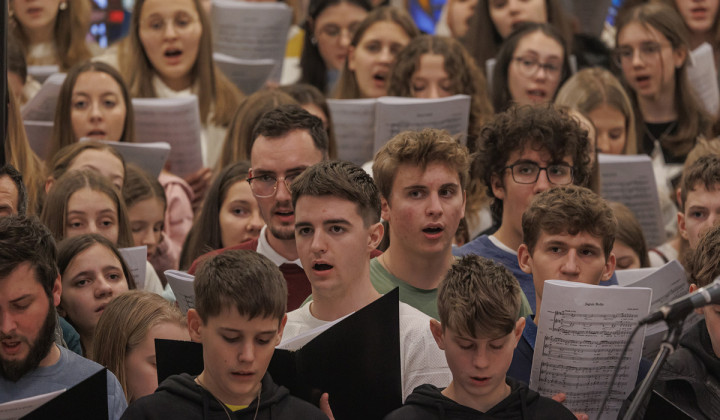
x,y
581,333
151,157
42,106
354,122
181,284
136,259
668,283
702,75
39,135
251,30
41,73
394,115
249,75
629,179
175,121
14,410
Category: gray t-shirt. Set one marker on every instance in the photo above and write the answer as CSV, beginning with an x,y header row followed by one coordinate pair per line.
x,y
70,370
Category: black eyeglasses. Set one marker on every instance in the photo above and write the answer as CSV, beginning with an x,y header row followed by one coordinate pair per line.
x,y
530,66
529,172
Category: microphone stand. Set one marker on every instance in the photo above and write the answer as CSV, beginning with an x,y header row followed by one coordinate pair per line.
x,y
667,347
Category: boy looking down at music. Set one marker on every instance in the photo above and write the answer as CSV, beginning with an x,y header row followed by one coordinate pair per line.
x,y
478,302
239,316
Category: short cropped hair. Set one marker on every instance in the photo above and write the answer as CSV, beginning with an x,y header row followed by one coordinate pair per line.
x,y
479,298
16,177
569,209
343,180
25,239
419,148
286,118
703,263
242,279
545,128
705,172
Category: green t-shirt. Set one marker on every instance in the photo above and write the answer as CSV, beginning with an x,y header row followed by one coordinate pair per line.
x,y
423,300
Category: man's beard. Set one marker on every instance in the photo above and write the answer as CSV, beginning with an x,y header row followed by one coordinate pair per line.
x,y
284,233
13,370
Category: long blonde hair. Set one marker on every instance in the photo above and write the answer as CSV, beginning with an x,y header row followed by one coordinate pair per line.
x,y
124,324
215,91
71,27
590,88
19,154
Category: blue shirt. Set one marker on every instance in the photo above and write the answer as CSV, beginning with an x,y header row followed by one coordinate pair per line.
x,y
483,246
69,370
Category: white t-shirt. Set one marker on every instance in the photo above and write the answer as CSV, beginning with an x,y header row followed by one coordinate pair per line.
x,y
421,360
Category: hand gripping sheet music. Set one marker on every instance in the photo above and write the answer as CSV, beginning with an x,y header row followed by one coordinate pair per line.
x,y
581,333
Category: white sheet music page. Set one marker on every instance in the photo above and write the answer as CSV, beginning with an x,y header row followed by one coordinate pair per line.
x,y
581,333
175,121
42,106
354,126
394,115
629,179
702,75
181,284
244,29
248,74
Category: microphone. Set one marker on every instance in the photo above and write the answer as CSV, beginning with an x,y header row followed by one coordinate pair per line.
x,y
680,308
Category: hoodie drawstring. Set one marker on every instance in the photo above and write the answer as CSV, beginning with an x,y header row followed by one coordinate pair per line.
x,y
523,407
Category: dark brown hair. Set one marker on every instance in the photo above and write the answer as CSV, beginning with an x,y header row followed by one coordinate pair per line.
x,y
343,180
538,127
569,209
479,298
205,234
240,279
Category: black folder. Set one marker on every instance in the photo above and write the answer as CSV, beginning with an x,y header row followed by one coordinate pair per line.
x,y
356,361
86,400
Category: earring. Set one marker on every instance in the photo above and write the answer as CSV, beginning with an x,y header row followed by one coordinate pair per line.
x,y
63,5
313,40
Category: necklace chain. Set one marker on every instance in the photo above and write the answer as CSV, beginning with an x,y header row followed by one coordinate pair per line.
x,y
663,135
225,408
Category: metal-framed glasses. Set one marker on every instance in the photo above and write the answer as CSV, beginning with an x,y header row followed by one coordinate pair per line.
x,y
528,173
265,185
529,66
648,51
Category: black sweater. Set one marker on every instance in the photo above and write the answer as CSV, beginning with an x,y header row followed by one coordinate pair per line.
x,y
179,397
427,403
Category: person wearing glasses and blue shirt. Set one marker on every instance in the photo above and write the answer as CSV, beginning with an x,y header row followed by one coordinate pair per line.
x,y
286,141
523,152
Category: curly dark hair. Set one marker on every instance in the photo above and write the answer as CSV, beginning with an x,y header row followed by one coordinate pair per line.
x,y
542,127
